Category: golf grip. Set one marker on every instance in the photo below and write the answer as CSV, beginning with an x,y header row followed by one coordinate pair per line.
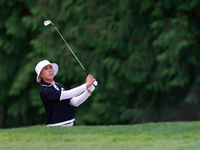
x,y
96,87
86,71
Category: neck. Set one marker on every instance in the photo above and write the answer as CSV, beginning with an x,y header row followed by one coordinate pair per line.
x,y
48,81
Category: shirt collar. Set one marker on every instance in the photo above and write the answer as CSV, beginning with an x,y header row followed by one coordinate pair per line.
x,y
54,84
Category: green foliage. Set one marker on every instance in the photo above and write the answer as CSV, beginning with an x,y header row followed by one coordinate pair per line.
x,y
144,54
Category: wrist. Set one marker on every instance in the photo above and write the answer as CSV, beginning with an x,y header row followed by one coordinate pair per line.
x,y
89,91
87,86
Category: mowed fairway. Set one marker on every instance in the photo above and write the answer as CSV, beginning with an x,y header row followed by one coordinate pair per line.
x,y
150,136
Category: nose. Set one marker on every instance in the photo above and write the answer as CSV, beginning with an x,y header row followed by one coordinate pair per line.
x,y
50,69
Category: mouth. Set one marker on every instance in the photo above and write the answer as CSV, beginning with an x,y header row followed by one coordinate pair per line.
x,y
51,74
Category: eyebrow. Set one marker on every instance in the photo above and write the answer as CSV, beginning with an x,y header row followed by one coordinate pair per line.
x,y
48,66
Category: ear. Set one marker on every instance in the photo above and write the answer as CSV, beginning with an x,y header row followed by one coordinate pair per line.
x,y
40,75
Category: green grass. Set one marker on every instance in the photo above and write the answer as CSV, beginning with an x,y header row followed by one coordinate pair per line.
x,y
151,136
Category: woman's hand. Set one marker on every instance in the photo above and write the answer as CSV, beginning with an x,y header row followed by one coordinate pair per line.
x,y
89,80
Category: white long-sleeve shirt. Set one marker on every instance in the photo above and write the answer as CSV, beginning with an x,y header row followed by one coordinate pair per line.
x,y
78,95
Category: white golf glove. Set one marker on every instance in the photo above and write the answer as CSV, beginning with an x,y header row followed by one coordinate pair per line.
x,y
92,87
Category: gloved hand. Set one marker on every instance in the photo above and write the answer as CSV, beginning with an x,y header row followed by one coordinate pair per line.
x,y
92,87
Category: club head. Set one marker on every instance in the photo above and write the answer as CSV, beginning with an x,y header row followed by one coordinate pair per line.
x,y
47,22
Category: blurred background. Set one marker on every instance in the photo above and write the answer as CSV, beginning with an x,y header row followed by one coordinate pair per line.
x,y
144,54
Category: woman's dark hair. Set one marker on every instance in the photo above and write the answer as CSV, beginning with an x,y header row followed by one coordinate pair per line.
x,y
41,81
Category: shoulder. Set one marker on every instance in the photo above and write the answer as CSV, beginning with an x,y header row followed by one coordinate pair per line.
x,y
46,89
49,93
61,85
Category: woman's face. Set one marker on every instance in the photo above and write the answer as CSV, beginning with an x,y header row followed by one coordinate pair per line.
x,y
47,74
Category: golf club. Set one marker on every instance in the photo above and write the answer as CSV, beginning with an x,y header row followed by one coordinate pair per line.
x,y
46,23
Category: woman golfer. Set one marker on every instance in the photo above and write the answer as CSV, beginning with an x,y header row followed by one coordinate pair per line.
x,y
55,96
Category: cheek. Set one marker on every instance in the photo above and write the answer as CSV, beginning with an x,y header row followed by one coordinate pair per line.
x,y
42,73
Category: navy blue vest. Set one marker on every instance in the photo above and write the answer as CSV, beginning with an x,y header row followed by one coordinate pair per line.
x,y
56,111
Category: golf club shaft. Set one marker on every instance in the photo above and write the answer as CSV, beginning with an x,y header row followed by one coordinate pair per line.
x,y
49,22
71,50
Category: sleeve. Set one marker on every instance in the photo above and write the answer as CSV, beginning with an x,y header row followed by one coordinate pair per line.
x,y
67,94
51,94
76,101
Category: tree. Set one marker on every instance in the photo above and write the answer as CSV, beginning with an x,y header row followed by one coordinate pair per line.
x,y
142,53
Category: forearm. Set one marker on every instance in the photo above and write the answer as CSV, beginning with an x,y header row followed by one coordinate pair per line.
x,y
76,101
73,92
